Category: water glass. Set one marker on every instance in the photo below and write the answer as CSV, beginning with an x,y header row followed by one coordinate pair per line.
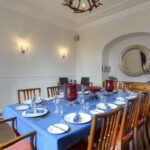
x,y
86,105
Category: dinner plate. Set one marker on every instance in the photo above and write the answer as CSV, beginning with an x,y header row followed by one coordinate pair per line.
x,y
96,111
49,98
34,114
30,100
58,128
130,97
119,102
84,118
101,105
112,106
120,98
22,107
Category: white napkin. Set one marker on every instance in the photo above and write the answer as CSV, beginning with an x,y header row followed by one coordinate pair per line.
x,y
113,106
96,111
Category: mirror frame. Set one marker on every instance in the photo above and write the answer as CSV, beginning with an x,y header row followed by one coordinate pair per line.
x,y
129,48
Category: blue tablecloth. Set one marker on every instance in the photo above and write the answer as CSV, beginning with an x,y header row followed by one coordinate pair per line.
x,y
45,140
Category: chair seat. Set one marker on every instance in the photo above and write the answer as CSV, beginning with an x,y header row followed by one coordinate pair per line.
x,y
21,145
81,145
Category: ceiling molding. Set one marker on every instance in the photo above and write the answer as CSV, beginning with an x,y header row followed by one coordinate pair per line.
x,y
97,18
49,18
115,16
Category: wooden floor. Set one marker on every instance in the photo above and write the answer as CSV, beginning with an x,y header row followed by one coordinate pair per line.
x,y
6,134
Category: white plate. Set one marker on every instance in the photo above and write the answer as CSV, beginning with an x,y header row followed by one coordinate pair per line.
x,y
34,114
120,98
119,102
49,98
112,106
22,107
96,111
84,118
130,97
30,100
101,105
58,128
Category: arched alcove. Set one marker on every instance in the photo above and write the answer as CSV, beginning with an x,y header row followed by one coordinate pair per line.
x,y
113,49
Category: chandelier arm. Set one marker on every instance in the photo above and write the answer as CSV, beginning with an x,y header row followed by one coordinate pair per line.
x,y
90,4
79,4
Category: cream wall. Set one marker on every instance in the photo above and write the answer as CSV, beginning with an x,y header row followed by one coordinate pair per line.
x,y
94,41
42,65
118,46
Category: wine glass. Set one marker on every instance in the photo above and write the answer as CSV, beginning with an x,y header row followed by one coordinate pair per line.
x,y
56,102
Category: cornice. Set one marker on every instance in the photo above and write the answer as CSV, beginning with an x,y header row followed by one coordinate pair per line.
x,y
81,24
49,18
115,16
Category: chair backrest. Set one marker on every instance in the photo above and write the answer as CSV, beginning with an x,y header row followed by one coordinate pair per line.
x,y
53,90
108,131
128,119
85,81
143,107
26,94
11,143
63,80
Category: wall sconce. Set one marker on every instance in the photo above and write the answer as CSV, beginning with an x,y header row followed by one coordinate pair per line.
x,y
63,53
23,46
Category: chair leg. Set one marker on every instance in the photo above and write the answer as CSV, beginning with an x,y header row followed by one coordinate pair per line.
x,y
146,131
135,139
142,134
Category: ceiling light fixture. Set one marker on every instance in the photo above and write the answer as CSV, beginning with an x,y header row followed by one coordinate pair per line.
x,y
80,6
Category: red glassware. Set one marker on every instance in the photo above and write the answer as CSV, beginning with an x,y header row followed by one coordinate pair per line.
x,y
109,85
70,92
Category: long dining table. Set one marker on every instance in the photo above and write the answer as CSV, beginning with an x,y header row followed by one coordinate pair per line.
x,y
47,141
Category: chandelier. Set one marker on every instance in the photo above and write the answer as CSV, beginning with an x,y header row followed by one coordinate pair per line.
x,y
80,6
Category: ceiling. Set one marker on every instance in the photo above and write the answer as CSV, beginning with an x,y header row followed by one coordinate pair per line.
x,y
53,10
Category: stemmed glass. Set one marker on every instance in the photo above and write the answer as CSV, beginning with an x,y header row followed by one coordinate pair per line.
x,y
56,102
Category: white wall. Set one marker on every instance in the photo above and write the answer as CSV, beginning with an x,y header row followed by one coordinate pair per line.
x,y
114,53
93,42
42,65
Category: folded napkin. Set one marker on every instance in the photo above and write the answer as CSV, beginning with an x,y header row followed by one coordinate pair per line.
x,y
30,111
103,106
40,110
77,118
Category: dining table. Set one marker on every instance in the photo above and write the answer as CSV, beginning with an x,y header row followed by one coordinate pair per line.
x,y
44,140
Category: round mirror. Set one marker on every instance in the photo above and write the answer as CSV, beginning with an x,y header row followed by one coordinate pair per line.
x,y
135,60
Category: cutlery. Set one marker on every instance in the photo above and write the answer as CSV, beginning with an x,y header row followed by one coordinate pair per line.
x,y
54,125
36,119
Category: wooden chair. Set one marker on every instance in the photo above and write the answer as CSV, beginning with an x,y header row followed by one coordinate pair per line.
x,y
127,124
53,91
107,135
62,81
86,81
142,118
19,141
28,94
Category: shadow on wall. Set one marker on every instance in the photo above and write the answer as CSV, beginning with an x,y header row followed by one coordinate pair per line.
x,y
124,40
